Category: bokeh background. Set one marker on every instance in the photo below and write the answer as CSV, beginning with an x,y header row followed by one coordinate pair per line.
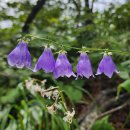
x,y
90,23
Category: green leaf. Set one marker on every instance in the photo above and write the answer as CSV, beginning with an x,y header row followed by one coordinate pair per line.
x,y
102,124
12,125
124,75
125,85
75,95
4,117
11,96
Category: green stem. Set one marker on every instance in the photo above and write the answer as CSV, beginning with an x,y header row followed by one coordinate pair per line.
x,y
76,48
126,121
63,100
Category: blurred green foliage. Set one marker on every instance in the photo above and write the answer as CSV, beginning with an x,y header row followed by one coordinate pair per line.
x,y
102,124
63,22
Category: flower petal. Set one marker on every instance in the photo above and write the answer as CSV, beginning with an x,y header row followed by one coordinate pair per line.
x,y
107,66
20,56
63,67
46,61
84,67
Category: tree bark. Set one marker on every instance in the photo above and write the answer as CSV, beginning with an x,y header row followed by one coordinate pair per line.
x,y
32,15
88,11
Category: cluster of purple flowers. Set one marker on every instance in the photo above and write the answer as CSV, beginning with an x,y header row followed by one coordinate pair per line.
x,y
20,57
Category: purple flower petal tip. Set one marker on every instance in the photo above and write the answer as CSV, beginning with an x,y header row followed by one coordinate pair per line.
x,y
46,61
63,67
20,56
84,67
107,66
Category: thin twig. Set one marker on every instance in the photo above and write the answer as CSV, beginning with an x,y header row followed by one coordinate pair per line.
x,y
111,111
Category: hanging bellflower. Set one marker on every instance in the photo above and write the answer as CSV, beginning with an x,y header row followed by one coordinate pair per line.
x,y
63,67
20,56
107,66
84,67
46,61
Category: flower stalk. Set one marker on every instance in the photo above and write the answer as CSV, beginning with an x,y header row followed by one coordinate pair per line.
x,y
76,48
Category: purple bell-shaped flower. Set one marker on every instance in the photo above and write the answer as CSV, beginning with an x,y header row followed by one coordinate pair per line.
x,y
20,56
46,61
84,67
63,67
107,66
